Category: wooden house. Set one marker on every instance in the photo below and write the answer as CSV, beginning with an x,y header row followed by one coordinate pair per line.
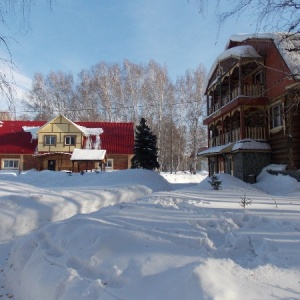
x,y
50,145
253,95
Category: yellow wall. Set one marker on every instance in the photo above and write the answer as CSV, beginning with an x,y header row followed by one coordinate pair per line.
x,y
59,127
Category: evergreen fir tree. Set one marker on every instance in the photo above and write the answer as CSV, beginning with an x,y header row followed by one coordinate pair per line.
x,y
145,149
215,182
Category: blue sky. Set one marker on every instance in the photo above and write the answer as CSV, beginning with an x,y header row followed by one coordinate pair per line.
x,y
77,34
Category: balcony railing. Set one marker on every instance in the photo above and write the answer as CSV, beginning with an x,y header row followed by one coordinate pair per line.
x,y
248,90
255,133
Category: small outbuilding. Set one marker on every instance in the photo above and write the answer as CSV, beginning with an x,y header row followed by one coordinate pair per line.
x,y
90,158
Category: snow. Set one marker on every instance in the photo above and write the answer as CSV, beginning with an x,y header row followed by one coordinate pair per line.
x,y
90,131
245,144
137,234
32,130
88,154
283,41
250,144
235,52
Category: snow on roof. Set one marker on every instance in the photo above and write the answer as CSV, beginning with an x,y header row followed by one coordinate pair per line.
x,y
86,131
249,144
90,131
238,52
235,52
33,130
284,43
88,154
273,167
246,144
214,150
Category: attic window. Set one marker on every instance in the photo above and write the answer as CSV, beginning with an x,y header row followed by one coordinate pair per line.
x,y
50,140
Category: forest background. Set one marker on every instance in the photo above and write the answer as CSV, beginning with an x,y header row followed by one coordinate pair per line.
x,y
127,92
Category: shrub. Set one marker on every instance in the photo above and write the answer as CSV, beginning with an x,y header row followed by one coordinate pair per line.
x,y
245,201
215,182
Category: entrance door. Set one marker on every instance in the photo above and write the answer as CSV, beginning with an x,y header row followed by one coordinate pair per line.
x,y
51,165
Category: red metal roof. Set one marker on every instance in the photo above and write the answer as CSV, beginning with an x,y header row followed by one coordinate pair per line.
x,y
14,140
117,138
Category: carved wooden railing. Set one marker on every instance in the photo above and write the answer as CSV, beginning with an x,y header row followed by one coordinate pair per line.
x,y
248,90
255,133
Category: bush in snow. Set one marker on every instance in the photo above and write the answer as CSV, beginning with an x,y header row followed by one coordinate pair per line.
x,y
245,201
215,182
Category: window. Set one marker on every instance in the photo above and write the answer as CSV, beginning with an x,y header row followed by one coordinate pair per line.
x,y
276,116
109,164
10,164
50,140
258,78
70,140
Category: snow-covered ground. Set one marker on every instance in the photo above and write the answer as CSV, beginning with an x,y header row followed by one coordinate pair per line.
x,y
137,234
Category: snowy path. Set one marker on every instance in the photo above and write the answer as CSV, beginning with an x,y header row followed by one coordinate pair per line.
x,y
142,248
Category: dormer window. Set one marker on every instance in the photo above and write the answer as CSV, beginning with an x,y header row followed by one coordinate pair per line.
x,y
50,140
70,140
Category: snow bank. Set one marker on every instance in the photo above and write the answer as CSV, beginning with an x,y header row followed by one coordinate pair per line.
x,y
191,243
58,196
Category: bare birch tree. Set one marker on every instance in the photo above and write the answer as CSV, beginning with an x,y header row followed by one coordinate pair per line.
x,y
87,104
40,105
12,13
157,91
134,78
273,15
190,91
61,92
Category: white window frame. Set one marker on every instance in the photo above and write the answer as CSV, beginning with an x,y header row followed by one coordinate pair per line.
x,y
51,140
109,164
276,116
68,140
10,164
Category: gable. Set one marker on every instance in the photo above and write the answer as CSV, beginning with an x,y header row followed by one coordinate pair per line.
x,y
284,42
60,124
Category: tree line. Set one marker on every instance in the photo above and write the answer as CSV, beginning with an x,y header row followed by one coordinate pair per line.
x,y
127,92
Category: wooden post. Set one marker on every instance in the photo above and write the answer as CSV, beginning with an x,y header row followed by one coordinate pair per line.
x,y
242,123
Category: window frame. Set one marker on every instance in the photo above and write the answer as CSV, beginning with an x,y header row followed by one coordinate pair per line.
x,y
109,164
49,143
276,117
70,137
9,160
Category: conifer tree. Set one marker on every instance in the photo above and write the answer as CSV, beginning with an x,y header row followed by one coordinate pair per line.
x,y
145,149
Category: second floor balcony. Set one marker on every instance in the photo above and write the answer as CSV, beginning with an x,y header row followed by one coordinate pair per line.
x,y
249,91
255,133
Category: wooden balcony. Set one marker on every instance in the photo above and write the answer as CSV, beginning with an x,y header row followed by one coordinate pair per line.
x,y
255,133
252,90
